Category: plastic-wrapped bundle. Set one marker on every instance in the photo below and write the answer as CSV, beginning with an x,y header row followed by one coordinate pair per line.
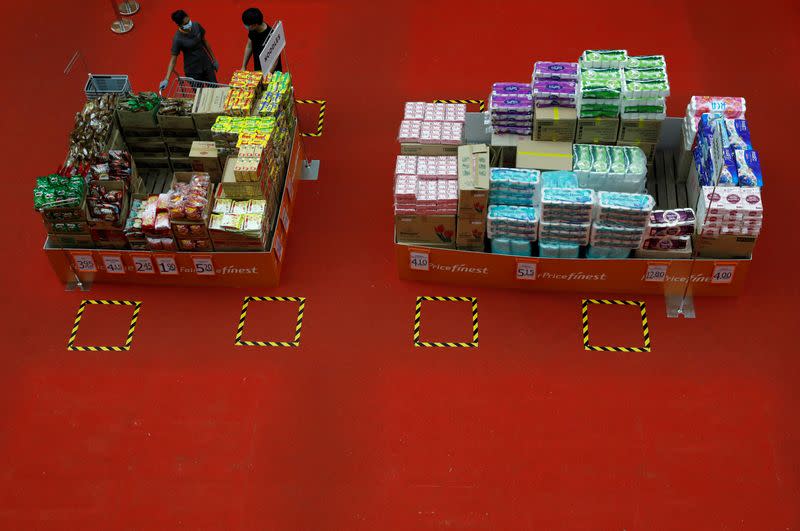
x,y
511,246
614,208
597,251
559,179
610,168
576,233
604,58
570,205
512,222
558,249
555,70
513,186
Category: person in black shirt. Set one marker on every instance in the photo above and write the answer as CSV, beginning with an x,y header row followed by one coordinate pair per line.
x,y
198,59
258,32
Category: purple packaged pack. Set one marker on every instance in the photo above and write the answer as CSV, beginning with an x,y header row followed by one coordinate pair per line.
x,y
678,222
551,70
554,102
512,130
748,168
510,89
511,103
554,88
666,244
518,121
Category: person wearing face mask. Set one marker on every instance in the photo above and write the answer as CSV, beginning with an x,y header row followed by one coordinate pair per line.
x,y
199,62
257,34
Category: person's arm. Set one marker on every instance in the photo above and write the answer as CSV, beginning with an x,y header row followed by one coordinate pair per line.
x,y
172,60
208,48
248,52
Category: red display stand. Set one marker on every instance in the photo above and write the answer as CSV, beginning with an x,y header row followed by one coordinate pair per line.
x,y
230,269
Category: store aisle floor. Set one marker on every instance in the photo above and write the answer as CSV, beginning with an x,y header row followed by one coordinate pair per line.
x,y
356,428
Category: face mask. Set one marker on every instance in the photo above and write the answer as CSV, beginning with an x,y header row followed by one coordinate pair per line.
x,y
187,26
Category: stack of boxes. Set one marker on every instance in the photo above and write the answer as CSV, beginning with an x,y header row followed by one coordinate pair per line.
x,y
643,108
61,200
610,168
566,219
426,199
432,128
599,95
511,109
239,225
619,225
473,196
555,98
189,202
136,115
512,229
209,103
669,231
244,89
177,130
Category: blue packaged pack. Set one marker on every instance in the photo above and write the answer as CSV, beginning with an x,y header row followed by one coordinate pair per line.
x,y
739,134
728,173
749,168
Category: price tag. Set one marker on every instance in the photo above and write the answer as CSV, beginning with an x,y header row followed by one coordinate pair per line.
x,y
113,264
723,273
285,218
84,262
203,265
278,247
142,264
166,264
526,270
656,272
418,260
290,188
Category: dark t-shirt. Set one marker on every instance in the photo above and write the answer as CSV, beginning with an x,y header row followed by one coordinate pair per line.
x,y
258,41
195,55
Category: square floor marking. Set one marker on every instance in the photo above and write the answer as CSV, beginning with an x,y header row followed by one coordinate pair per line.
x,y
239,342
585,326
418,322
111,348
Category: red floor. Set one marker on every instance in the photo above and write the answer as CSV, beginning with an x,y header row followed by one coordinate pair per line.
x,y
356,429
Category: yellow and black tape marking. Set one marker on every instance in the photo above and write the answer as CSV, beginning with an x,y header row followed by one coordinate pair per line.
x,y
480,103
131,328
418,319
645,327
239,342
320,119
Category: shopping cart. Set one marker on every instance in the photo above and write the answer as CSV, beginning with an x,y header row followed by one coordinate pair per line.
x,y
186,87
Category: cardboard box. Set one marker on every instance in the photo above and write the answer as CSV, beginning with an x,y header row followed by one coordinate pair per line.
x,y
648,148
175,123
145,120
656,254
554,124
473,180
426,229
543,155
180,149
182,164
145,163
204,157
600,130
726,246
102,225
229,187
428,149
205,135
70,241
209,103
647,131
67,227
147,148
470,233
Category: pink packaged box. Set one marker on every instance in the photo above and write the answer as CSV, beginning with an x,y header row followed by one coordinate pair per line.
x,y
409,131
406,165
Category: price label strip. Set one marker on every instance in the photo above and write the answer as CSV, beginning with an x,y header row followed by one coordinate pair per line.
x,y
137,305
142,264
419,260
113,264
84,262
526,270
723,272
239,342
203,265
418,322
166,264
656,272
645,326
285,218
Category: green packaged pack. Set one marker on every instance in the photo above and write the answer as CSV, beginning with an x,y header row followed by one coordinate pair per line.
x,y
646,61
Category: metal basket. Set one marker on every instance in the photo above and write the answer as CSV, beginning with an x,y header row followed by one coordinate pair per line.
x,y
186,87
97,85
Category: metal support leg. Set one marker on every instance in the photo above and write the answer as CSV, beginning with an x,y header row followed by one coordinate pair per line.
x,y
680,306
